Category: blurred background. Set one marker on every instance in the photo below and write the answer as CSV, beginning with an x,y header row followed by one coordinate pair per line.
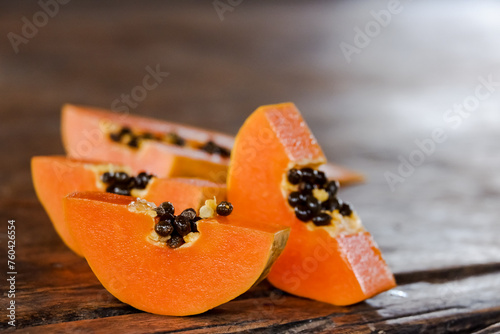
x,y
379,83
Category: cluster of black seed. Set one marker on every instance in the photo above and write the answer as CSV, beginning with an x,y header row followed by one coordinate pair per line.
x,y
121,183
306,206
178,226
126,136
213,148
174,138
175,226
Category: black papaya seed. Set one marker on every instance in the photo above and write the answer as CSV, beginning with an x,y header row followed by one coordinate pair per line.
x,y
319,178
303,213
108,177
114,189
164,228
307,175
313,204
331,204
175,241
332,187
224,208
306,187
190,214
168,207
182,225
345,209
294,176
322,219
295,199
121,177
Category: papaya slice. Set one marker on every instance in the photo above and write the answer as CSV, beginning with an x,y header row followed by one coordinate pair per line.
x,y
163,148
274,176
223,261
54,177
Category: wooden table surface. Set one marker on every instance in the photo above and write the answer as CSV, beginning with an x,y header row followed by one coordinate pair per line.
x,y
373,98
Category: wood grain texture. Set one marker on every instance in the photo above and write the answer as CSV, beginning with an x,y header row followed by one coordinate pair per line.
x,y
438,229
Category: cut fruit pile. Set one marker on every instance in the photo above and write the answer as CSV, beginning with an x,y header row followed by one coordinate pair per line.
x,y
114,198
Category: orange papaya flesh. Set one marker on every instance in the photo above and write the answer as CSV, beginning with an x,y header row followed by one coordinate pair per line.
x,y
223,261
273,140
87,134
54,177
340,270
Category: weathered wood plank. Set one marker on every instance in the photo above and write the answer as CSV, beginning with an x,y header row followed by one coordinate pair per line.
x,y
458,306
495,328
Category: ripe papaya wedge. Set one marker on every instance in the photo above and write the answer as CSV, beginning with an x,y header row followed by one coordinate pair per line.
x,y
274,176
222,258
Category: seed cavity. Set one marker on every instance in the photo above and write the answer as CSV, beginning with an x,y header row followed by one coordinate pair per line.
x,y
127,137
313,197
171,228
213,148
133,139
174,139
174,230
121,183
